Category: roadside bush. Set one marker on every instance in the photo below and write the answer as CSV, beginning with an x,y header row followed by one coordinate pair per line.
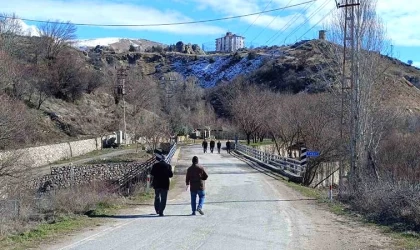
x,y
393,197
23,210
389,204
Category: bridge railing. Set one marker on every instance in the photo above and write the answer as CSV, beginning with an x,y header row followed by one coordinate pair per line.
x,y
139,174
283,163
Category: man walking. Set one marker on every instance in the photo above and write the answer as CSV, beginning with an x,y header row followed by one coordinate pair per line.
x,y
211,146
196,176
204,144
161,172
228,146
219,146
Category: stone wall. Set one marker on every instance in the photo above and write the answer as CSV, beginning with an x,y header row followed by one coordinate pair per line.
x,y
66,176
44,155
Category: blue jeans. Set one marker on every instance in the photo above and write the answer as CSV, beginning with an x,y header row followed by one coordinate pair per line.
x,y
201,195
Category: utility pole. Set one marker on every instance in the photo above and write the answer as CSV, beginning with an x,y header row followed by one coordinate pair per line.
x,y
120,91
392,50
168,89
350,81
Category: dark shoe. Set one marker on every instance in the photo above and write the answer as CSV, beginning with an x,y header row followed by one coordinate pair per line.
x,y
200,211
193,213
161,214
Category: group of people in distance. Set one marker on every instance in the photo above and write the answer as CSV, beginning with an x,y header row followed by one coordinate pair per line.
x,y
205,144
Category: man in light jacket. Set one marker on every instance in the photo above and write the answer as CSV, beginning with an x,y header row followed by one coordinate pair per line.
x,y
195,178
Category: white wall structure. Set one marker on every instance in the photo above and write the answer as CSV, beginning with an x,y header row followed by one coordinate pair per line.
x,y
44,155
230,42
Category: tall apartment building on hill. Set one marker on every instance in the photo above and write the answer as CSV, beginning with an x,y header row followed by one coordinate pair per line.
x,y
229,43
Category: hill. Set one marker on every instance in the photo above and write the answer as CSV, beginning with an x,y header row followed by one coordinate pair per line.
x,y
117,44
306,66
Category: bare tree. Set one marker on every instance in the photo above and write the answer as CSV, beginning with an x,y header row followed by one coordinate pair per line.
x,y
152,128
56,36
142,91
250,109
13,122
284,125
309,120
10,30
370,74
66,77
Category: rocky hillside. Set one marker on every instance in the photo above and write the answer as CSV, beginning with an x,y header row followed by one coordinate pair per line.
x,y
304,66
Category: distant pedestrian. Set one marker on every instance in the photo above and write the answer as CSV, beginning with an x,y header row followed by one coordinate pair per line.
x,y
219,146
212,146
228,145
161,172
195,179
204,144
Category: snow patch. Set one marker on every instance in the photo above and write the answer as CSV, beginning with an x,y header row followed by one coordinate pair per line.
x,y
222,69
98,41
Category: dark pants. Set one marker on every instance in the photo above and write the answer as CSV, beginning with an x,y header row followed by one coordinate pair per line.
x,y
205,149
218,150
211,149
160,200
228,150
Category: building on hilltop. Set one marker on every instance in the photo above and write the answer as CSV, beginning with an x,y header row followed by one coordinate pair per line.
x,y
230,43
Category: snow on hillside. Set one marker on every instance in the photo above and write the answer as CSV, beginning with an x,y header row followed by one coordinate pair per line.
x,y
98,41
219,68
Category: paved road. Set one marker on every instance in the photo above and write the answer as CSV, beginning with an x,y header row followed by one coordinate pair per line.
x,y
244,210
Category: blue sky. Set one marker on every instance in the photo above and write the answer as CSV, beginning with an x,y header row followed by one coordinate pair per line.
x,y
286,26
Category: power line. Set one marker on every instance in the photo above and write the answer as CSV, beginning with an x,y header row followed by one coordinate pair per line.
x,y
307,20
288,24
161,24
329,13
243,34
270,23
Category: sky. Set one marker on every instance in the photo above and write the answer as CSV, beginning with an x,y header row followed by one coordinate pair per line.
x,y
272,28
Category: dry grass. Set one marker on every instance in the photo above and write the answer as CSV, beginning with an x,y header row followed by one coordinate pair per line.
x,y
62,211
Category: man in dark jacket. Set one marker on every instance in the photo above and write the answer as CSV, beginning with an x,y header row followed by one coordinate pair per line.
x,y
196,176
204,144
228,146
212,146
219,146
161,172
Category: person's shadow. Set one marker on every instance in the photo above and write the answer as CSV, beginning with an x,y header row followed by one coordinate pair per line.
x,y
134,216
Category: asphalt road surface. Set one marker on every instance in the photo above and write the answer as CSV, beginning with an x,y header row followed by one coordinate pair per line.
x,y
244,209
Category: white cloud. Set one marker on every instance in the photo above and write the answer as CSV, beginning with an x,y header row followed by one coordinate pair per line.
x,y
104,12
272,20
400,18
28,30
416,64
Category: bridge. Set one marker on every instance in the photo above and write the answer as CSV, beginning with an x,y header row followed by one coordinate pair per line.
x,y
247,207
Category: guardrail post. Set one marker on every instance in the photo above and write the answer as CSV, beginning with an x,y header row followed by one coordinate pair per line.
x,y
330,193
148,183
303,159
